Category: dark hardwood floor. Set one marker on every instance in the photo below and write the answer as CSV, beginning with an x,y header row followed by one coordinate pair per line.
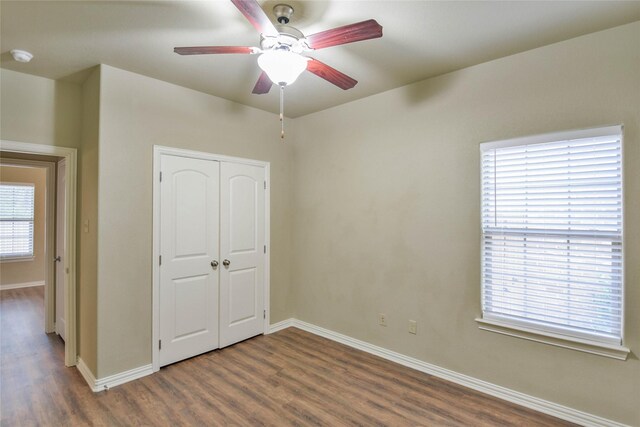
x,y
287,378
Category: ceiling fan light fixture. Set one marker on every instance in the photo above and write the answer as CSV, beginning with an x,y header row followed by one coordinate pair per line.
x,y
282,66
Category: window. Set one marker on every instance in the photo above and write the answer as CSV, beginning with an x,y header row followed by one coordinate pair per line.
x,y
552,248
16,220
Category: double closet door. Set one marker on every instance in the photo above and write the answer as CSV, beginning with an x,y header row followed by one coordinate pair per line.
x,y
212,248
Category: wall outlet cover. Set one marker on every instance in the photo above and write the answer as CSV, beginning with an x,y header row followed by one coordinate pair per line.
x,y
413,327
382,319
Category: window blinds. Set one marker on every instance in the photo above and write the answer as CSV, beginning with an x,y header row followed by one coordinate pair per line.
x,y
552,236
16,220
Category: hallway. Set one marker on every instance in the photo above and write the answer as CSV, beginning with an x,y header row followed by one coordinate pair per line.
x,y
30,358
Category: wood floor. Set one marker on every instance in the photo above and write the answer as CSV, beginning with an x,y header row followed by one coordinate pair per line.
x,y
287,378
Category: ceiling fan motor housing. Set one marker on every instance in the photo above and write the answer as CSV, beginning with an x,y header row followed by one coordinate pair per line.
x,y
289,38
283,13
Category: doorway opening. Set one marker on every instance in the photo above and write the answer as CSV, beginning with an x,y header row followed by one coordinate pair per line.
x,y
38,239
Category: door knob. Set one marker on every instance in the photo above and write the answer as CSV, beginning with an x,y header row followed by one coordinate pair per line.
x,y
214,264
57,259
226,263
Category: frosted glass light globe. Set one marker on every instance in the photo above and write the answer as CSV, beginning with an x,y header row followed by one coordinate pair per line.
x,y
282,66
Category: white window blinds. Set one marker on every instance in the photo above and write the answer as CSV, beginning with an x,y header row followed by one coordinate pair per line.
x,y
552,234
16,220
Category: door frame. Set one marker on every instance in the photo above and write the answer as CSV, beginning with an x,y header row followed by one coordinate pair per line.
x,y
158,151
70,155
54,224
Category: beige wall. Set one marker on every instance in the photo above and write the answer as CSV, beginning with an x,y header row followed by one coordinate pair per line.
x,y
386,213
137,112
39,110
87,278
42,111
12,272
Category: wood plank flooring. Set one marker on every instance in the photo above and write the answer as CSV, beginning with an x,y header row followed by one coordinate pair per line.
x,y
287,378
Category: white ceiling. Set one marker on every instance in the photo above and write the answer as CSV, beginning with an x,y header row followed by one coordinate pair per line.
x,y
421,39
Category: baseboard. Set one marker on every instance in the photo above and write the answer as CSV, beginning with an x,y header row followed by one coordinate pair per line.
x,y
111,381
544,406
21,285
284,324
86,374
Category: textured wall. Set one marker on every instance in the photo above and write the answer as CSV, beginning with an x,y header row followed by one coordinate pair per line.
x,y
88,212
387,213
43,111
136,113
40,111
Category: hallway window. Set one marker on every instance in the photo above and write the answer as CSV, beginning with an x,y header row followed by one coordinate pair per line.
x,y
16,220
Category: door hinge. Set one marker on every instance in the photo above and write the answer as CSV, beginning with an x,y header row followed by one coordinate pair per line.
x,y
264,314
160,176
265,249
159,344
160,260
265,185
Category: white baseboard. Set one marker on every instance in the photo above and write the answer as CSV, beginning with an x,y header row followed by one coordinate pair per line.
x,y
86,374
21,285
111,381
284,324
544,406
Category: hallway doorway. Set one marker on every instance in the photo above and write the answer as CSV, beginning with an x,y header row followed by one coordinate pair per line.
x,y
57,283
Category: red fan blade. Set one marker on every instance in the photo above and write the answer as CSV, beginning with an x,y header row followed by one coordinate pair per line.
x,y
263,85
330,74
254,13
364,30
204,50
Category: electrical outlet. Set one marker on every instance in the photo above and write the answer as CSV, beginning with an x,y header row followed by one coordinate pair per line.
x,y
382,319
413,327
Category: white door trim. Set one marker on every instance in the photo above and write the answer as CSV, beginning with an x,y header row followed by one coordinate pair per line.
x,y
70,154
59,224
157,152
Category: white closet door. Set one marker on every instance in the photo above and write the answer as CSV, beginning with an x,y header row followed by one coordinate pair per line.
x,y
242,240
189,221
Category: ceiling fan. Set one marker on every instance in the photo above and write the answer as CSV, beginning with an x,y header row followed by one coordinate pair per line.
x,y
281,48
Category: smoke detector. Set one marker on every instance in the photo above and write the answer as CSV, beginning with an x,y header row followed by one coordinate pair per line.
x,y
21,55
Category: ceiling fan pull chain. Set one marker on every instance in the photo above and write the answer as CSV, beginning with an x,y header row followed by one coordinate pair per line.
x,y
282,112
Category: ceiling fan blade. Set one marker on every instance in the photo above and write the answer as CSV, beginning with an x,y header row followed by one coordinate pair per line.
x,y
330,74
204,50
263,85
254,13
364,30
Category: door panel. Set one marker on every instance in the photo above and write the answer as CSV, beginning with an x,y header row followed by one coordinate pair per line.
x,y
242,229
191,306
243,304
242,219
190,214
189,224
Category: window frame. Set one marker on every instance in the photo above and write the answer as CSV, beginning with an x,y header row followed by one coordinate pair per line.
x,y
529,330
26,257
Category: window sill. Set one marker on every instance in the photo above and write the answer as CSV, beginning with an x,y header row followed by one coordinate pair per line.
x,y
613,351
17,259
